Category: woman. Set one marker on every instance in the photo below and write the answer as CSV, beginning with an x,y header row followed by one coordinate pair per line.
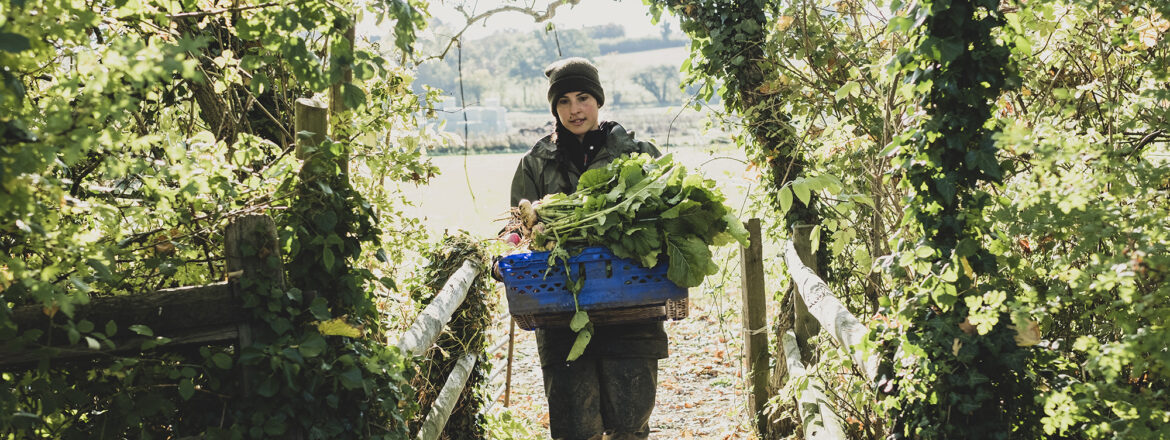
x,y
610,388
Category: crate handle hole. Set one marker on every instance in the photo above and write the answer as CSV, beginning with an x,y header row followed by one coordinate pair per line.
x,y
609,269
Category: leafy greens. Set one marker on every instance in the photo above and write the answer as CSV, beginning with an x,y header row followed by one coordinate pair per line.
x,y
643,209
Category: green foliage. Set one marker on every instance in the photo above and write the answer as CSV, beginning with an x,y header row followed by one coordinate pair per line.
x,y
731,47
642,208
1083,216
506,425
131,133
973,381
1073,202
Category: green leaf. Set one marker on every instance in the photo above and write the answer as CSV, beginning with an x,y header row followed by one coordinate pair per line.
x,y
111,328
325,220
268,387
15,43
259,83
312,346
351,378
815,238
580,343
352,96
579,320
222,361
850,88
737,230
594,177
186,388
923,251
689,259
679,209
327,258
800,187
389,283
142,330
338,327
785,199
274,426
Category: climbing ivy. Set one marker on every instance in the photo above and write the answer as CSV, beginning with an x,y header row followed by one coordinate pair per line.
x,y
730,49
966,376
132,132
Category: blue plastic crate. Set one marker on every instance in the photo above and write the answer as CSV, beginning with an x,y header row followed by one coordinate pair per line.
x,y
616,290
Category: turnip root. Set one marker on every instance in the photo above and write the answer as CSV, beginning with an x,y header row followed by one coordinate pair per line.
x,y
512,238
527,214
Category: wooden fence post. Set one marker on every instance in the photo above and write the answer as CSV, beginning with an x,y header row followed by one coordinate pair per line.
x,y
755,322
253,262
311,116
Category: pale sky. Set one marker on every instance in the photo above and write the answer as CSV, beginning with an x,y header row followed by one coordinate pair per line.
x,y
631,14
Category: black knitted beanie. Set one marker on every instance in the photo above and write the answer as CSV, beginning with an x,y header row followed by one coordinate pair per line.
x,y
572,75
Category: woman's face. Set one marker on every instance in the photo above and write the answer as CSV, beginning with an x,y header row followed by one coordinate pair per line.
x,y
578,112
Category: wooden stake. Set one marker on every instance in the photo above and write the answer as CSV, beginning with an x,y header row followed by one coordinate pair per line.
x,y
755,323
508,377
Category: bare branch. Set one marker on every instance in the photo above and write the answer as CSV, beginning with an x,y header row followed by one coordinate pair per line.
x,y
222,11
537,16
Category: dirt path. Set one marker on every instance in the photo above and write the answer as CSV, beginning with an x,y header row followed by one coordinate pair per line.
x,y
700,386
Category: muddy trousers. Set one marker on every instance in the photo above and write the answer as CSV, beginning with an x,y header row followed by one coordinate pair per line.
x,y
598,395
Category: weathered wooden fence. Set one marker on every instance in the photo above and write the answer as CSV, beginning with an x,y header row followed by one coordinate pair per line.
x,y
206,314
215,314
813,307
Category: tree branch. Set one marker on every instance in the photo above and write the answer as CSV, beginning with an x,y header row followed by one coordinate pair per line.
x,y
537,16
222,11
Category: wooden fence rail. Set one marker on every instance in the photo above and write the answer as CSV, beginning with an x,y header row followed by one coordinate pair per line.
x,y
427,326
423,333
211,313
820,421
833,316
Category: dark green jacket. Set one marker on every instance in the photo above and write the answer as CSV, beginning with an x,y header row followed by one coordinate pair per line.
x,y
543,171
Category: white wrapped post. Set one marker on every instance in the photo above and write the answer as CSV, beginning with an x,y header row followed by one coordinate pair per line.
x,y
818,418
441,410
426,328
831,313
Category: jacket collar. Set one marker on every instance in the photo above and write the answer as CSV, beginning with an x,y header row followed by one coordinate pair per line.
x,y
617,141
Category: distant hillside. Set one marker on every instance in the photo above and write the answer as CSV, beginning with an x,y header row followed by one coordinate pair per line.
x,y
629,45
